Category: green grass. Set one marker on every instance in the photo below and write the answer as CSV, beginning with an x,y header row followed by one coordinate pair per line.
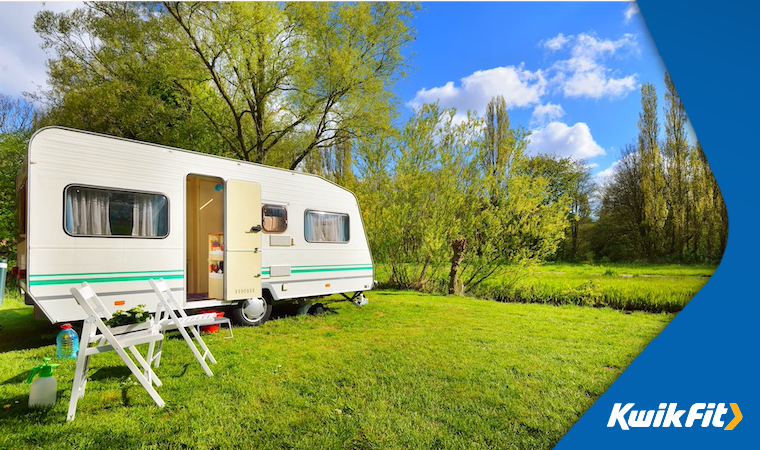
x,y
641,269
633,287
408,370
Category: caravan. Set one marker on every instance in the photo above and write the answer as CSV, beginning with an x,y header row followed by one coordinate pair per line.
x,y
223,233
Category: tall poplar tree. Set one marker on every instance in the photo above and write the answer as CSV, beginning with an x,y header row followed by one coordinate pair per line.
x,y
677,153
653,176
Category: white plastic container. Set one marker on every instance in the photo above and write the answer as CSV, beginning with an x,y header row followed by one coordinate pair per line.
x,y
43,392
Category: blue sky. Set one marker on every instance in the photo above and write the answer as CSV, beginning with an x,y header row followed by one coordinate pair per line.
x,y
570,71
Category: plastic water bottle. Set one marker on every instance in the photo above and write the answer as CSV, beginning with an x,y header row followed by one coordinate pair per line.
x,y
44,389
68,342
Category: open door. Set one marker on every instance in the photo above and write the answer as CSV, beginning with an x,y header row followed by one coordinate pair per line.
x,y
242,232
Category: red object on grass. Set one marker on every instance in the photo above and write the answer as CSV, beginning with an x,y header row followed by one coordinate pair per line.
x,y
215,327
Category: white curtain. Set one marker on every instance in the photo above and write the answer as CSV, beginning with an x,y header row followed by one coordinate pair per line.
x,y
326,227
88,212
146,215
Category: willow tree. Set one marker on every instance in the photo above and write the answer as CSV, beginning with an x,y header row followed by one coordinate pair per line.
x,y
425,191
110,72
266,82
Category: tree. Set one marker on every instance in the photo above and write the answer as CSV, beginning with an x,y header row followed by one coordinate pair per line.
x,y
263,82
620,232
17,118
661,203
499,136
111,74
710,218
677,153
334,162
427,193
571,179
652,174
429,201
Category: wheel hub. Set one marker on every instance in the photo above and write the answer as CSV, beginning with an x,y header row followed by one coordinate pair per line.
x,y
254,309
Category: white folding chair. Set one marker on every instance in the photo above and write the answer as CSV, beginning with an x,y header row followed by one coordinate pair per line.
x,y
168,319
111,339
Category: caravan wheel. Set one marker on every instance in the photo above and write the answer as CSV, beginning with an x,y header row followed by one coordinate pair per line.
x,y
252,312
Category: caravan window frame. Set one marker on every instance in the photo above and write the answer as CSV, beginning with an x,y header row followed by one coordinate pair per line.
x,y
348,225
120,191
264,206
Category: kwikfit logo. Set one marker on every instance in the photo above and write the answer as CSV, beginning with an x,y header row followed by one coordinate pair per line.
x,y
668,415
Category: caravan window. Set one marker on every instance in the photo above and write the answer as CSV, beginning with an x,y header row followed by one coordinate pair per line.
x,y
325,227
274,218
107,212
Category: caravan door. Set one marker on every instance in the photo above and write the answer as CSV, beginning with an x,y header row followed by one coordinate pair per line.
x,y
242,235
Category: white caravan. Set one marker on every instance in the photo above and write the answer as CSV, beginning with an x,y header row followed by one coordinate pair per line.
x,y
223,233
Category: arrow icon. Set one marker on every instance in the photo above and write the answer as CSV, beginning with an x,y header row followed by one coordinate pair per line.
x,y
737,417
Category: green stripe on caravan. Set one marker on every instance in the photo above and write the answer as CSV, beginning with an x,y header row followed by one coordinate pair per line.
x,y
314,269
103,280
171,274
104,273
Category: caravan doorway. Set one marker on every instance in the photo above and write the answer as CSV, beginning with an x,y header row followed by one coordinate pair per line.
x,y
204,219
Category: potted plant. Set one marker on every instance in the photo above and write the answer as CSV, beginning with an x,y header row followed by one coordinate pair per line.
x,y
129,317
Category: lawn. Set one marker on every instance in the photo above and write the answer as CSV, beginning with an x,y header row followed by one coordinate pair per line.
x,y
408,370
634,287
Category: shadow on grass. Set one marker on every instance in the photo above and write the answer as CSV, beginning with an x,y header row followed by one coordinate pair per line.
x,y
286,310
108,373
183,372
21,331
16,415
20,378
17,408
124,396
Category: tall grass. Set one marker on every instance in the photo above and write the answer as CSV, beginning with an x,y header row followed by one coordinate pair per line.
x,y
630,287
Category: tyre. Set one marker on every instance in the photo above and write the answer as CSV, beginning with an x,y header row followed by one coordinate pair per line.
x,y
252,312
317,309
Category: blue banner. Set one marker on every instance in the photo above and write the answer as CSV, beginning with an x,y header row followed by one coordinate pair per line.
x,y
696,384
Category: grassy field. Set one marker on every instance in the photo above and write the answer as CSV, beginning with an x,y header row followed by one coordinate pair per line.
x,y
635,287
408,370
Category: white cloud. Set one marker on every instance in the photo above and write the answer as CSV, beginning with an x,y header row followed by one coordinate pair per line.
x,y
584,74
560,139
519,87
22,61
590,46
596,84
546,113
631,10
556,43
604,176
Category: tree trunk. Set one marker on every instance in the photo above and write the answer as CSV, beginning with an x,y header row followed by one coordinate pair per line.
x,y
459,245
